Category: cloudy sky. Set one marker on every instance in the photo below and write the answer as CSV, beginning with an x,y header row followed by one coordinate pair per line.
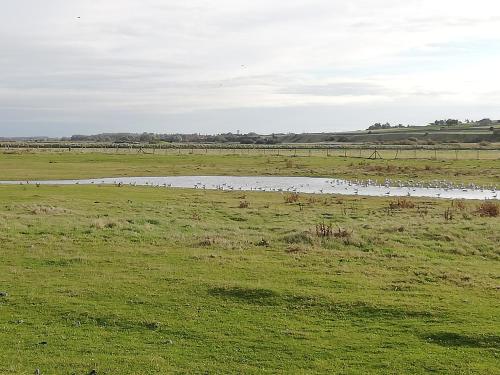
x,y
210,66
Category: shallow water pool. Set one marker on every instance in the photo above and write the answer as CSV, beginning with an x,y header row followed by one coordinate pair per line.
x,y
283,184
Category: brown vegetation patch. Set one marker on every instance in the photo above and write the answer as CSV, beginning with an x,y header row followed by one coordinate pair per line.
x,y
326,230
244,204
104,224
459,204
402,203
292,198
488,209
37,209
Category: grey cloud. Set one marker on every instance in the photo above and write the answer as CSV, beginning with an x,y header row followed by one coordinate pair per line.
x,y
261,18
338,89
418,24
263,120
133,65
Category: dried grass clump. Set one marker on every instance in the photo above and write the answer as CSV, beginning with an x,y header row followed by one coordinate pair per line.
x,y
46,210
244,204
292,198
208,241
214,240
103,224
401,203
342,233
313,200
263,243
488,209
459,204
326,230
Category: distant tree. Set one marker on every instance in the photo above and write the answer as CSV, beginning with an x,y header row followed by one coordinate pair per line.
x,y
451,122
247,140
485,121
378,126
375,126
448,122
146,137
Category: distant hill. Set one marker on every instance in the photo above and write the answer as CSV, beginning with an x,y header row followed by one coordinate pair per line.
x,y
440,131
443,131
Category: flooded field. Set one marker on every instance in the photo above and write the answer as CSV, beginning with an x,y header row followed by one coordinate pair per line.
x,y
436,189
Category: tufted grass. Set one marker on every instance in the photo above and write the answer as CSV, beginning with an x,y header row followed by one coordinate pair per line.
x,y
153,281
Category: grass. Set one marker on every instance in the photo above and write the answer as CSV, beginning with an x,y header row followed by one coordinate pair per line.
x,y
143,280
22,166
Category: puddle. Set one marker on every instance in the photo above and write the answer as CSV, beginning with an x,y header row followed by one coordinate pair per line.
x,y
289,184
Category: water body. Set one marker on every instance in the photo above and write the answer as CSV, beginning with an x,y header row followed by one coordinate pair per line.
x,y
284,184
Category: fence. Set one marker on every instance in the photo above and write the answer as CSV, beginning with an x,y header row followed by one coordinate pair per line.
x,y
394,152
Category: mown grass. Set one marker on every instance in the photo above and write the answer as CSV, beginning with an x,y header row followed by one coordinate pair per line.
x,y
23,166
130,280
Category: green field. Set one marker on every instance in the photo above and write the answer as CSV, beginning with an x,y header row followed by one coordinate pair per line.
x,y
472,134
137,280
433,134
22,166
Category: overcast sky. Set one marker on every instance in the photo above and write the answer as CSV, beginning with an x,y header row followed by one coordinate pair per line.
x,y
209,66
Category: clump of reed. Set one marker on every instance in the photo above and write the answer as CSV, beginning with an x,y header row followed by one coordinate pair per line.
x,y
327,230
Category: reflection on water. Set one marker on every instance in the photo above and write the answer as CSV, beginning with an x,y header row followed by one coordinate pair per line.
x,y
291,184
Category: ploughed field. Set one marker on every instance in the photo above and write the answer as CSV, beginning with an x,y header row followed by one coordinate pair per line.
x,y
138,280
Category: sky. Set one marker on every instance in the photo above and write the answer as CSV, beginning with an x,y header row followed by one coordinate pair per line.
x,y
265,66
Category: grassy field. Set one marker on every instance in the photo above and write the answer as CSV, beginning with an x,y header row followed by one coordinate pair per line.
x,y
22,166
136,280
469,133
461,151
143,280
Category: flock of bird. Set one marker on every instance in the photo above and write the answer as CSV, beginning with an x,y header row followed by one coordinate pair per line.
x,y
353,186
331,186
